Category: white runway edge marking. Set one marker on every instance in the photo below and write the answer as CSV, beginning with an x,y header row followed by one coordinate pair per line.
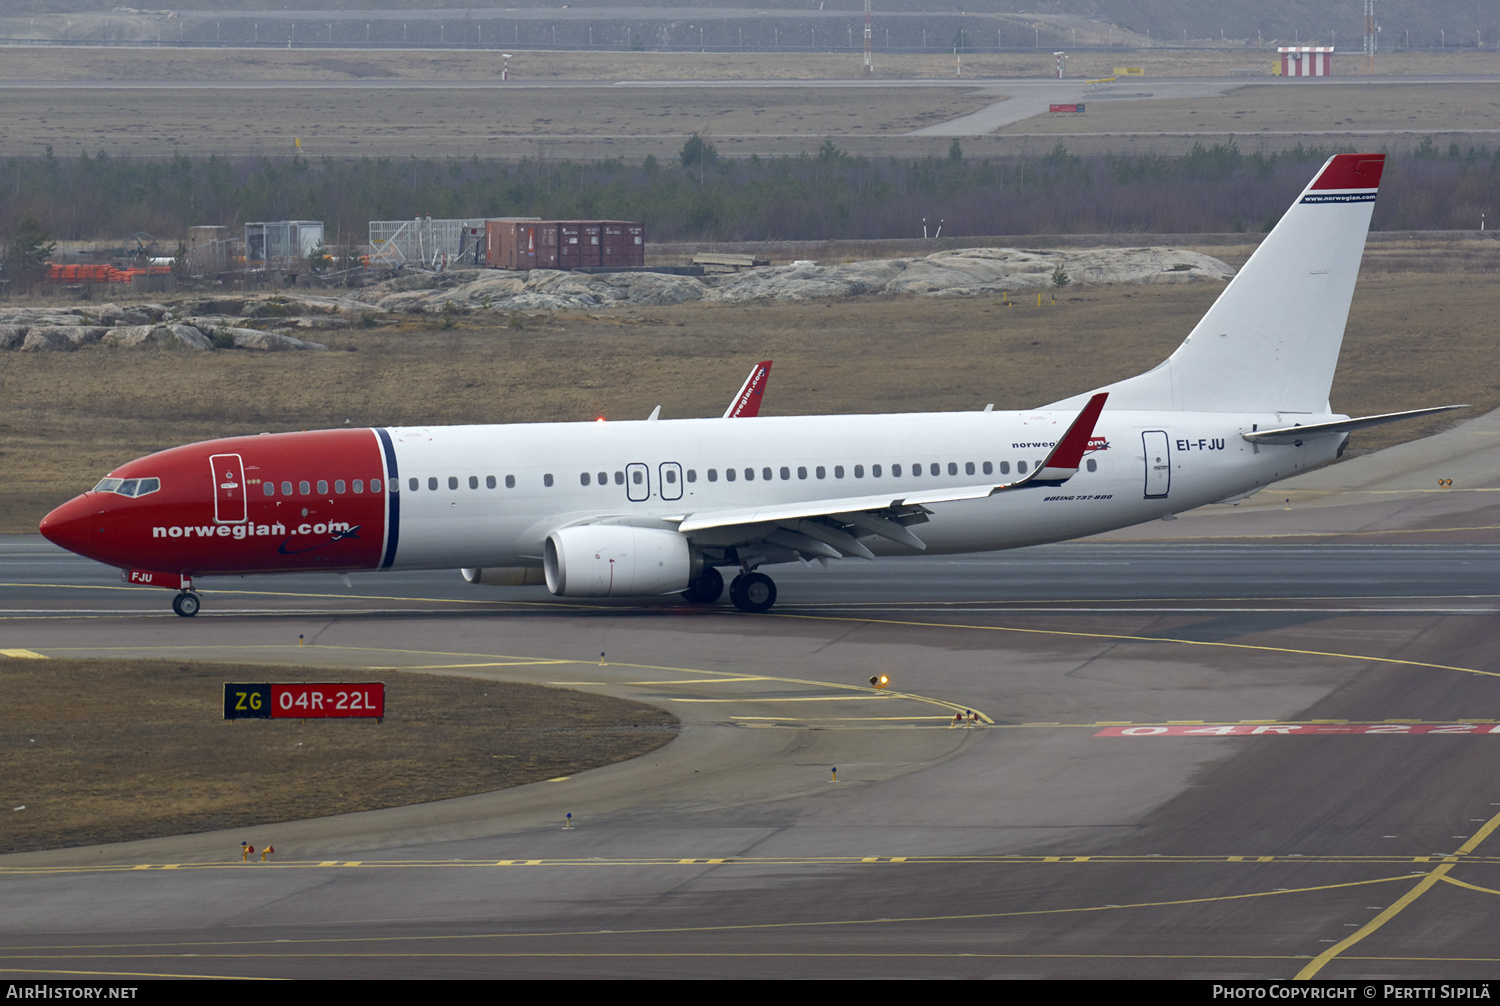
x,y
1300,729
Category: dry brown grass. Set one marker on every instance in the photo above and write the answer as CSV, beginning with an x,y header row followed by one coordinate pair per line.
x,y
1322,107
459,122
107,751
1415,338
632,122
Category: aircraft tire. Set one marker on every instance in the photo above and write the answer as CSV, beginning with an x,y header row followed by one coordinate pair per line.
x,y
707,589
186,604
753,592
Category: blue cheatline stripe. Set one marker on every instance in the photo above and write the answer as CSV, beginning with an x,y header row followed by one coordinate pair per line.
x,y
393,499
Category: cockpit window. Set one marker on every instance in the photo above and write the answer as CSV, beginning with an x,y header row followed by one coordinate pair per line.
x,y
128,487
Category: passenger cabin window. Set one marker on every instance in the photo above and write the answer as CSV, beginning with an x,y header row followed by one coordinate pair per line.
x,y
547,480
875,471
801,472
338,486
359,486
937,469
412,484
637,477
1091,465
671,475
786,473
729,475
473,481
692,475
304,488
838,471
820,472
713,475
322,487
452,481
765,473
583,479
619,478
749,474
1005,468
432,483
895,471
269,488
859,471
510,481
604,478
1021,467
489,481
286,488
989,469
968,468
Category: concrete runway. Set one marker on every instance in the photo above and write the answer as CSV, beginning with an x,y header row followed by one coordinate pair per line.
x,y
1195,758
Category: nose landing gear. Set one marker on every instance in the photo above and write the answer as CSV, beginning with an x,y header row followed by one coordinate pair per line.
x,y
186,604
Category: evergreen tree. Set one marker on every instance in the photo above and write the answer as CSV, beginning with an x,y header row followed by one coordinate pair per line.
x,y
26,257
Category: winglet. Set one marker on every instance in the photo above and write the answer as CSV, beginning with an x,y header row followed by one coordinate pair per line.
x,y
746,402
1062,464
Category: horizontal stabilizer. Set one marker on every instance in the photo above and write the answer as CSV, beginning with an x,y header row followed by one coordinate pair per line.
x,y
1291,434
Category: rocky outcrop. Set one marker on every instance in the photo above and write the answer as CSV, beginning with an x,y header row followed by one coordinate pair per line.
x,y
169,336
268,342
265,323
60,337
962,273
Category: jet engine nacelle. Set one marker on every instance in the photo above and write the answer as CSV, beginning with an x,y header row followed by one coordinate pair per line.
x,y
505,576
613,560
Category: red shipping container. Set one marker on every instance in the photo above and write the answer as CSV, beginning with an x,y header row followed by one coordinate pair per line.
x,y
520,244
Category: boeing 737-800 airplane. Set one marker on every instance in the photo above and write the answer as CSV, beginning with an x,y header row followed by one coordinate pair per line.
x,y
656,507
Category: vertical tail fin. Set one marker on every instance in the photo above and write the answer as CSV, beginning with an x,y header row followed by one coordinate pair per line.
x,y
1270,343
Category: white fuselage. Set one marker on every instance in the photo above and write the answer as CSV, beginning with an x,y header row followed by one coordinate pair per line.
x,y
1147,465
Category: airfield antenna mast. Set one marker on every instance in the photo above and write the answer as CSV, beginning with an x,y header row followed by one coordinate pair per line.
x,y
1369,36
869,66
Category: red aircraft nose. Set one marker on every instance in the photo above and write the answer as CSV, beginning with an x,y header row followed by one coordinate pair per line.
x,y
78,526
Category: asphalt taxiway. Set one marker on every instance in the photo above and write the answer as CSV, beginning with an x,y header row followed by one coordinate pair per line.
x,y
1263,752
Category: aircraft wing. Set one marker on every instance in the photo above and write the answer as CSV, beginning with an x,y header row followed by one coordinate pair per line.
x,y
829,528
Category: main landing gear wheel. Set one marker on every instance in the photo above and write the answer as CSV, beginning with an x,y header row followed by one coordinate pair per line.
x,y
186,604
707,589
753,592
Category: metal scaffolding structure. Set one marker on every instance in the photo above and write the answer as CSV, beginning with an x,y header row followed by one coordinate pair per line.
x,y
425,242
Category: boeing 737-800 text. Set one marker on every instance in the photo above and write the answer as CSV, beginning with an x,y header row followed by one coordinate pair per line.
x,y
656,507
